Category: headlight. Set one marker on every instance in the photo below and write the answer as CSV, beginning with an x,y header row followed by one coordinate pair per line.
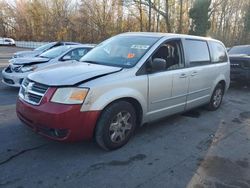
x,y
28,68
70,95
17,56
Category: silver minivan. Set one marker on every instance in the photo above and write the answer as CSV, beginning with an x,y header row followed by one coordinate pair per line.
x,y
124,82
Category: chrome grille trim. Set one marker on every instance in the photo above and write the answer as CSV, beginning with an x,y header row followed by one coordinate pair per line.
x,y
29,92
36,93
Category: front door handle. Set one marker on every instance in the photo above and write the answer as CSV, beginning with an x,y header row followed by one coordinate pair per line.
x,y
194,73
183,76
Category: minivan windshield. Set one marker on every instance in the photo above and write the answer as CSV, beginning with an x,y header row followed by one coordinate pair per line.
x,y
240,50
45,47
54,52
121,51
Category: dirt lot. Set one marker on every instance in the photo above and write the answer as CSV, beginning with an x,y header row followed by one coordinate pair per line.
x,y
196,149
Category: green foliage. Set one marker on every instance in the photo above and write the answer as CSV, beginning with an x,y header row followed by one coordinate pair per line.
x,y
200,17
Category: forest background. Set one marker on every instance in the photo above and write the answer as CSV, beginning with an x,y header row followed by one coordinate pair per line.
x,y
91,21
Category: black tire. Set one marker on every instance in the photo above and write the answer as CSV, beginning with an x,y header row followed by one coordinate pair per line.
x,y
216,98
106,135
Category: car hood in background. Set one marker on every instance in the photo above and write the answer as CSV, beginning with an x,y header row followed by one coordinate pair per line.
x,y
70,73
28,60
238,55
26,54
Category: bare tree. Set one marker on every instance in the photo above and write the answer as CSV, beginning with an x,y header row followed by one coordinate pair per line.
x,y
96,20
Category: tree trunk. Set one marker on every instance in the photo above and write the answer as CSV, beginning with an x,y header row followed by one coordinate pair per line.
x,y
180,17
168,26
149,15
141,21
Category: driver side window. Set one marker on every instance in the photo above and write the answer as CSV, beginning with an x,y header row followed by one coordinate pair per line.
x,y
171,53
77,54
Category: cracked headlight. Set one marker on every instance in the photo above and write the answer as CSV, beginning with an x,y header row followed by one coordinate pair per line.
x,y
28,68
70,95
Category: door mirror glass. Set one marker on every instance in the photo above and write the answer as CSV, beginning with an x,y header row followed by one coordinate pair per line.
x,y
158,64
66,58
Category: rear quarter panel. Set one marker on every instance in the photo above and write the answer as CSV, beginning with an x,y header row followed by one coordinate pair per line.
x,y
223,74
222,69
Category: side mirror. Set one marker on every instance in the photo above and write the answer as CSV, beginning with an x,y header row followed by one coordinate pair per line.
x,y
66,58
158,64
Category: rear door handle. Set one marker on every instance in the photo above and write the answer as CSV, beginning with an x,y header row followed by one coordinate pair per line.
x,y
183,76
194,73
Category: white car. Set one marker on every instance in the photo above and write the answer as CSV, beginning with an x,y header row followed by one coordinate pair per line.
x,y
41,49
7,42
19,68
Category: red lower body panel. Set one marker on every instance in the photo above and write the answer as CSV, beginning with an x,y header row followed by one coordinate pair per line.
x,y
52,119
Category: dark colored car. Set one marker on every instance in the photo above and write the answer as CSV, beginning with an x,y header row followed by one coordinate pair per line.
x,y
240,63
41,49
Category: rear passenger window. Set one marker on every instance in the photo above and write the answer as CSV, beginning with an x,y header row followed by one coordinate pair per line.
x,y
219,54
198,52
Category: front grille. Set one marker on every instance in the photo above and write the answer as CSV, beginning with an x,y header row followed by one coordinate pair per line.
x,y
247,64
54,133
8,81
40,88
243,64
34,98
32,92
235,63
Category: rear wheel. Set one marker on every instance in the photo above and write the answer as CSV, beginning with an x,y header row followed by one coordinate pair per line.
x,y
216,98
116,125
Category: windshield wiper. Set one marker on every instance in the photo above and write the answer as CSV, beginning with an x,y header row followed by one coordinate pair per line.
x,y
43,56
91,62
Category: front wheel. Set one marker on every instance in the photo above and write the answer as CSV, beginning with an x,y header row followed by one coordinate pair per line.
x,y
116,125
216,98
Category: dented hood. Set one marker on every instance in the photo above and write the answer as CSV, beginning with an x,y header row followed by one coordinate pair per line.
x,y
26,54
28,60
70,73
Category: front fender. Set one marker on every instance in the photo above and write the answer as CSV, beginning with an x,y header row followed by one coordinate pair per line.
x,y
97,104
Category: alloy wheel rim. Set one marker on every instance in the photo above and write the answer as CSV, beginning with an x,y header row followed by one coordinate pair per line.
x,y
120,127
217,97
